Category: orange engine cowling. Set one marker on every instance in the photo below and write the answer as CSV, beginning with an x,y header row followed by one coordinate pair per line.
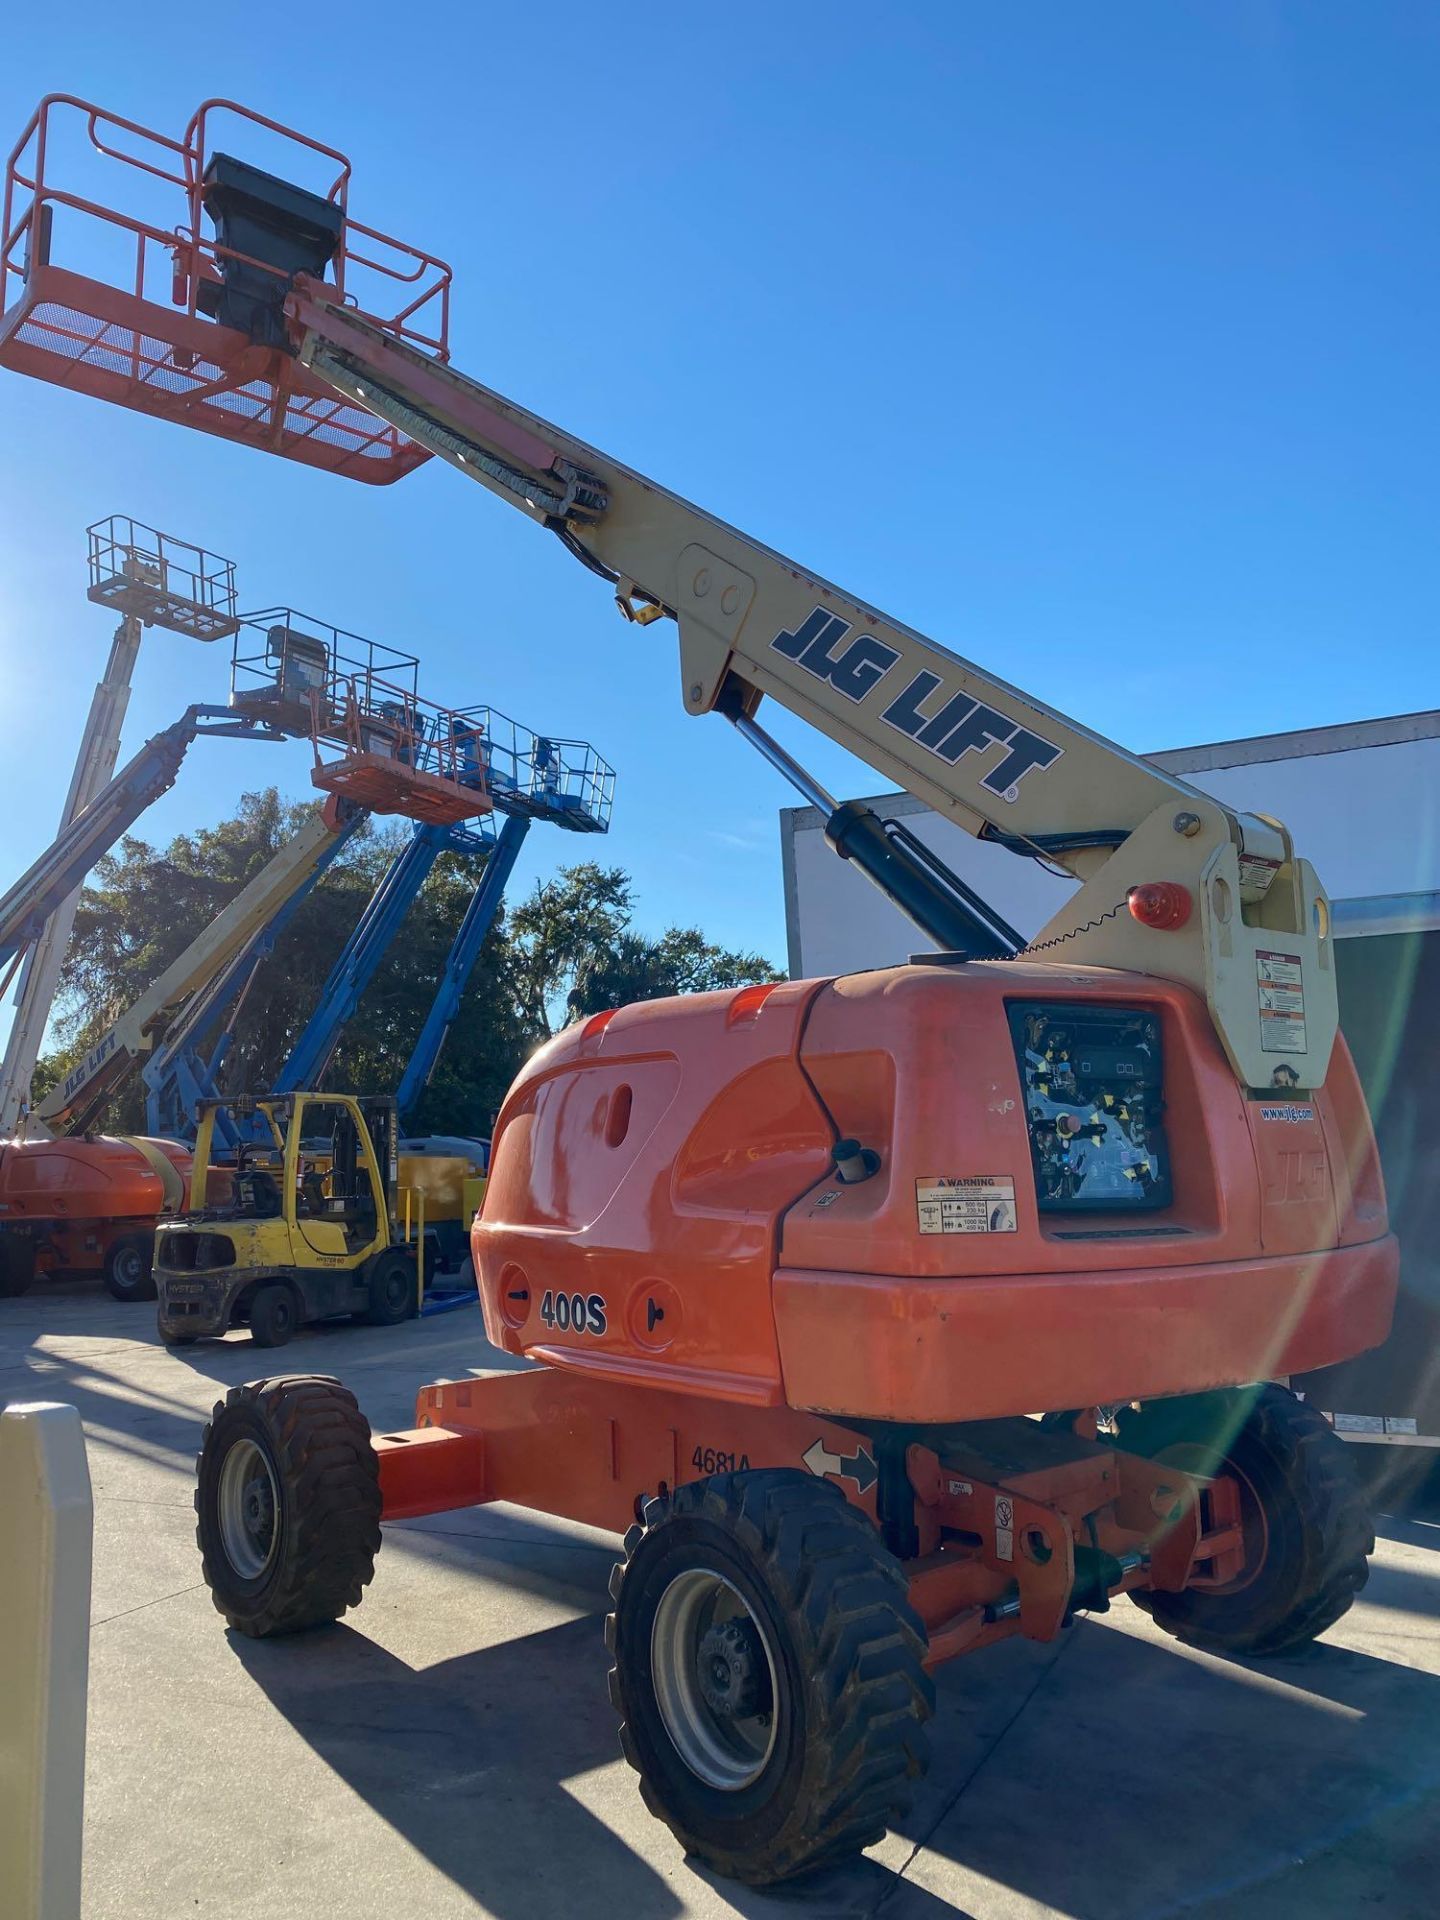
x,y
1063,1198
97,1178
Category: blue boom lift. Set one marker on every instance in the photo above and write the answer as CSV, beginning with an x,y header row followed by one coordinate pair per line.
x,y
506,770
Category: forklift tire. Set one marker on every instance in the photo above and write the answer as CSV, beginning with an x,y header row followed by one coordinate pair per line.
x,y
273,1318
287,1504
17,1264
392,1290
767,1672
128,1273
1307,1528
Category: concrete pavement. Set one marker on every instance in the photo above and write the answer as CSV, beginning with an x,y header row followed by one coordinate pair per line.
x,y
450,1750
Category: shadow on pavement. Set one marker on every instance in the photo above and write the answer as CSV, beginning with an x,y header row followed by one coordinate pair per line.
x,y
469,1759
1407,1589
1144,1780
139,1397
1115,1776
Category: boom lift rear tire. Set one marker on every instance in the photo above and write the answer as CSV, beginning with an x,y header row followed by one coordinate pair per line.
x,y
768,1673
287,1504
17,1264
1307,1529
273,1317
128,1272
392,1290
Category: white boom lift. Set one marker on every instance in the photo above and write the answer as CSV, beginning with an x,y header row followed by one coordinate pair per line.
x,y
166,1004
154,580
998,762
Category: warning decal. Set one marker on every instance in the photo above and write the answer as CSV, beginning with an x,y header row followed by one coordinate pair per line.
x,y
1256,872
1282,1002
973,1203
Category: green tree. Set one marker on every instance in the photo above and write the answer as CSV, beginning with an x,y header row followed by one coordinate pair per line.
x,y
561,930
634,967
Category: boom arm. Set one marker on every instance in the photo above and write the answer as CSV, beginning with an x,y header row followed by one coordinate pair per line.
x,y
358,959
73,1105
460,962
40,973
987,756
46,887
81,842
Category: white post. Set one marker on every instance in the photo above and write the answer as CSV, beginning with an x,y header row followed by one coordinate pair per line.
x,y
45,1540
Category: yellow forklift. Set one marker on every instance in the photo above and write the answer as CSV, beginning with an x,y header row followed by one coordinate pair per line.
x,y
309,1224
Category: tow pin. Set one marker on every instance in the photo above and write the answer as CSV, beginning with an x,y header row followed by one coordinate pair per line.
x,y
854,1162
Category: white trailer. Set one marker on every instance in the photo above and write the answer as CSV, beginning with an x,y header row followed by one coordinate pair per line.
x,y
1341,791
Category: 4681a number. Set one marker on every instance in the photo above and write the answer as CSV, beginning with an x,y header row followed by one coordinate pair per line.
x,y
714,1460
574,1312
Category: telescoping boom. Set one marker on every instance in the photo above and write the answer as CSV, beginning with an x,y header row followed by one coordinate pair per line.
x,y
59,870
268,341
1173,883
74,1103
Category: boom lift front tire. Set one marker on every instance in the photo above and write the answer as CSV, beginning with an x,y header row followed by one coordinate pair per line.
x,y
287,1504
272,1315
1307,1529
129,1265
768,1673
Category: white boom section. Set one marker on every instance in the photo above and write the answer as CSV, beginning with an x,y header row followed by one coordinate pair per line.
x,y
40,973
144,1025
990,757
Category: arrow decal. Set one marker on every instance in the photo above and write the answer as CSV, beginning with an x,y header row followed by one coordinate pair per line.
x,y
857,1466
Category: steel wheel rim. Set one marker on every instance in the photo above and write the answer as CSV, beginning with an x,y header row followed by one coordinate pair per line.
x,y
127,1266
248,1505
725,1753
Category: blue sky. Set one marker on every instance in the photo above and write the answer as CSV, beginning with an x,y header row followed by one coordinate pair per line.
x,y
1098,342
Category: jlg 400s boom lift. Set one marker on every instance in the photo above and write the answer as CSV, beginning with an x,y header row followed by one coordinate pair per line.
x,y
804,1264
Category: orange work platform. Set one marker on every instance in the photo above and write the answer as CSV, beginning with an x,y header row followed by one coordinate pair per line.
x,y
385,785
377,743
118,301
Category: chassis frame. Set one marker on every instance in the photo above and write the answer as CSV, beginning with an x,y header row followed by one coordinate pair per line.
x,y
1003,1527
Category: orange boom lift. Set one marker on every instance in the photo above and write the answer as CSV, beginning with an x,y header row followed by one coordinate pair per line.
x,y
886,1316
